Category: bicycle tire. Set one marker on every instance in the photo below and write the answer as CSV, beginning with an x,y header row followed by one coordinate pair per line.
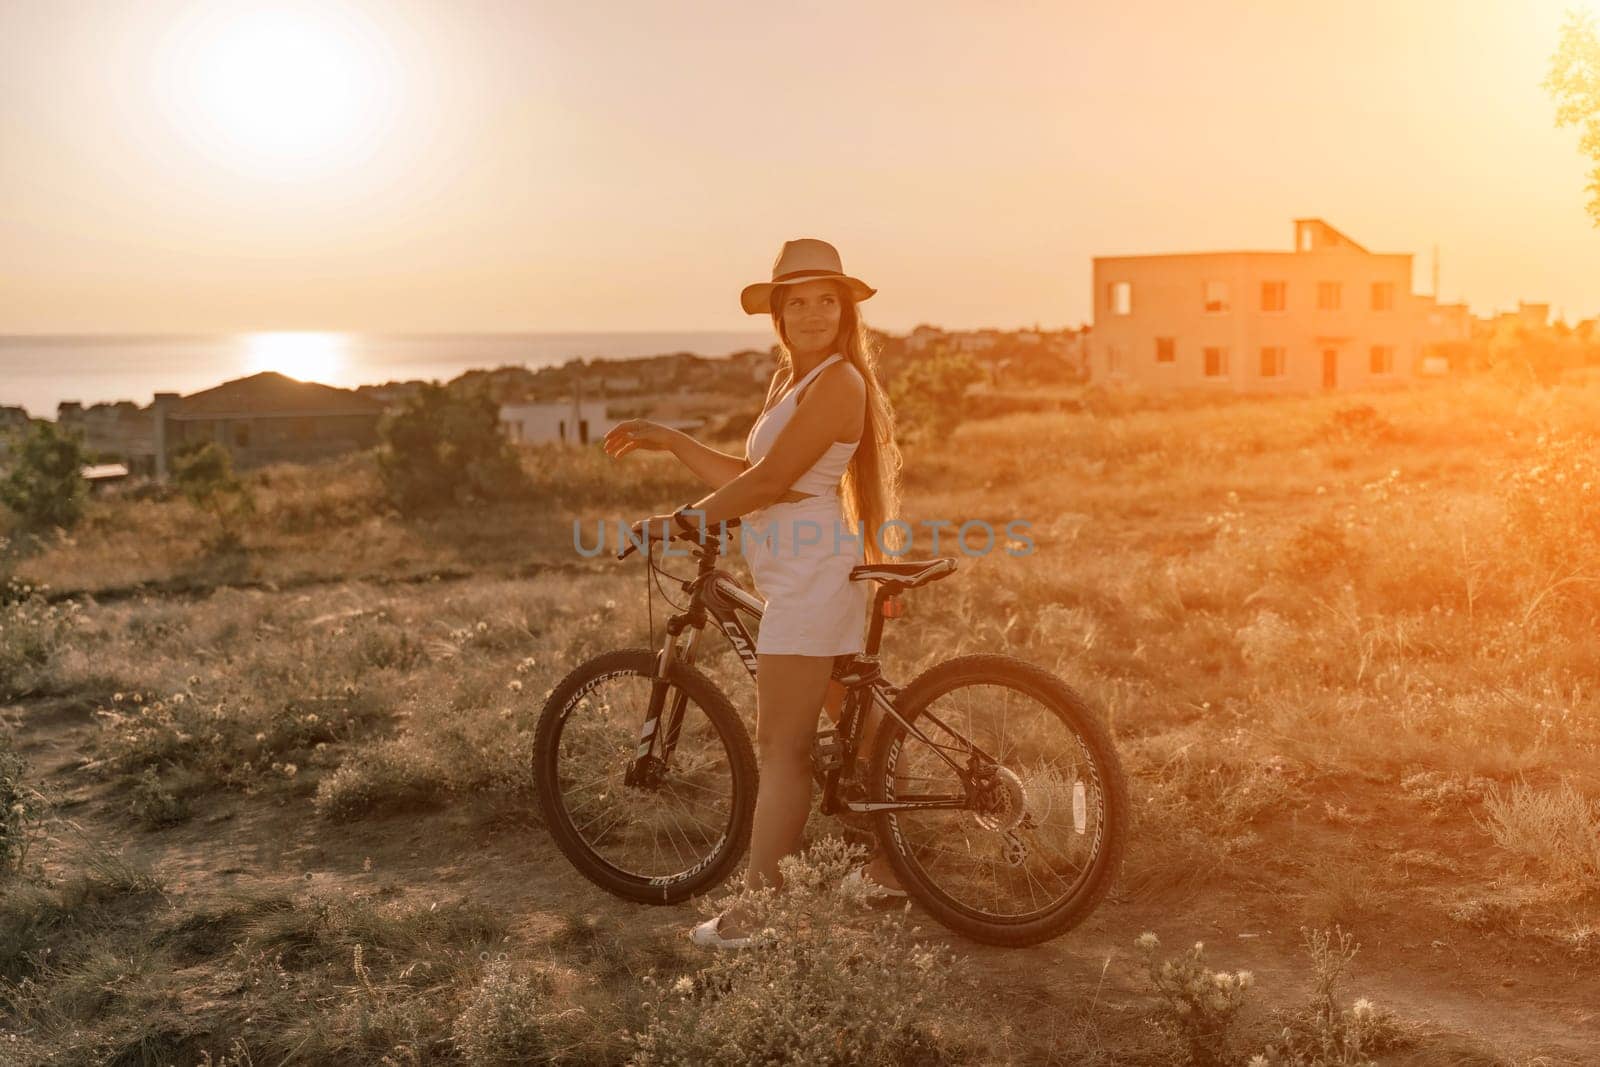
x,y
714,868
1050,690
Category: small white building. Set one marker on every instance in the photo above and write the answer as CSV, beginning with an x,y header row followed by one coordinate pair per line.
x,y
573,422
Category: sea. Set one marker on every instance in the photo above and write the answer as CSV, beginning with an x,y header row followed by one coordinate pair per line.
x,y
40,371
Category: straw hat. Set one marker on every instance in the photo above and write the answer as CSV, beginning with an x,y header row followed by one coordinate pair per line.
x,y
802,260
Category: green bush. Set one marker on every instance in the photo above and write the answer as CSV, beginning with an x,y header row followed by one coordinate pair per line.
x,y
929,395
45,487
153,804
205,475
445,447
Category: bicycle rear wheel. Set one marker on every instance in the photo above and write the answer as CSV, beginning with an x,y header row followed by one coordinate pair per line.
x,y
1041,838
679,831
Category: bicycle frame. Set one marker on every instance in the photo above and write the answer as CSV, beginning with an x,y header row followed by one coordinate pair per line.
x,y
716,596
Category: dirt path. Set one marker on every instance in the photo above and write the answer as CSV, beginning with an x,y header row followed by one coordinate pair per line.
x,y
1472,992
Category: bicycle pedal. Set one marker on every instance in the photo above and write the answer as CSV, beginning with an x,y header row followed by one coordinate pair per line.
x,y
827,753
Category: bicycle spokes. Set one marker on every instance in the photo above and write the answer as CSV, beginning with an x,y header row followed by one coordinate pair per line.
x,y
641,814
1029,831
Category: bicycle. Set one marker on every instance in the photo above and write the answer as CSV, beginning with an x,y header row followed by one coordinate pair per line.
x,y
647,778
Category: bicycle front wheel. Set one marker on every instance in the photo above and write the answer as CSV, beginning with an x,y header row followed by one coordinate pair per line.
x,y
1036,807
676,830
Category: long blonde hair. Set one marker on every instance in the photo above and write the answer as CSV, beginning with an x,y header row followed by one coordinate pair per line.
x,y
870,490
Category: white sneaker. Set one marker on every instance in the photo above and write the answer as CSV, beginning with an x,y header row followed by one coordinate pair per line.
x,y
858,875
709,935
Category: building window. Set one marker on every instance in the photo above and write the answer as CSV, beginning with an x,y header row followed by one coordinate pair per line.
x,y
1383,296
1216,296
1121,298
1166,349
241,435
1272,362
1382,359
1216,362
1328,296
1274,296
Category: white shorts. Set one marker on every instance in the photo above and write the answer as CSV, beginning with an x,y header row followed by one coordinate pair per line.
x,y
800,554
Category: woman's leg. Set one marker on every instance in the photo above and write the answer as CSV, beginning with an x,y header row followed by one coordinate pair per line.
x,y
788,701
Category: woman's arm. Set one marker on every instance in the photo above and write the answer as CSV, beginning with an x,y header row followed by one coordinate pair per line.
x,y
820,417
714,468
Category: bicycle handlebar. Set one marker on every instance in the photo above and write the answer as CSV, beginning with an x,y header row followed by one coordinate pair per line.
x,y
713,531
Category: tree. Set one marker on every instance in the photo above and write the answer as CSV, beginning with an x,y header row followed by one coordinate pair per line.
x,y
1574,82
205,474
46,486
445,447
929,394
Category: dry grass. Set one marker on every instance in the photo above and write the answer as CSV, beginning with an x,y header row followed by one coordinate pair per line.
x,y
1334,636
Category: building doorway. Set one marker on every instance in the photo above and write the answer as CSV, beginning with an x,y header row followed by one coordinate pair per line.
x,y
1330,368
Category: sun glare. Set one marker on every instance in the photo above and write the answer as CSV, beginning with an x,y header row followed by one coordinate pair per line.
x,y
280,89
310,357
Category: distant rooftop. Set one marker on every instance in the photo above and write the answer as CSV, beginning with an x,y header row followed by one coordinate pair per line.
x,y
1310,235
271,393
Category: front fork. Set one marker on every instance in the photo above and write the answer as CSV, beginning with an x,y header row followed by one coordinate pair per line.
x,y
658,738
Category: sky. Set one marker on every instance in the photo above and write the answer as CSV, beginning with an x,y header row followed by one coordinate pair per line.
x,y
522,165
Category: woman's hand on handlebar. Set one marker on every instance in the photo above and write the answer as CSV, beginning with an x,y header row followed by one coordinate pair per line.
x,y
631,434
658,528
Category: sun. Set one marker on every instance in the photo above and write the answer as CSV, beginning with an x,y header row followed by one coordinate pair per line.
x,y
279,89
310,357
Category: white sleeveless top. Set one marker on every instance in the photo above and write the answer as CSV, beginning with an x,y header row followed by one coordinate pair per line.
x,y
824,475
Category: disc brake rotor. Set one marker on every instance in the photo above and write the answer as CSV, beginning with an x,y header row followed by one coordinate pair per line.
x,y
1002,803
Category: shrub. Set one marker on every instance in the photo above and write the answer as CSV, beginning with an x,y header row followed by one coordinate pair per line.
x,y
153,805
392,775
820,991
32,631
20,809
1358,424
445,447
500,1024
265,737
1198,1004
205,475
1553,507
46,487
1322,1034
1559,830
929,395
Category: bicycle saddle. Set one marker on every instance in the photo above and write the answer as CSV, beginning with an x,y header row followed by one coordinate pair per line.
x,y
906,575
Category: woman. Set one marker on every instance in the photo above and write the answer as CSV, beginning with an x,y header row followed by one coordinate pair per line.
x,y
821,455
